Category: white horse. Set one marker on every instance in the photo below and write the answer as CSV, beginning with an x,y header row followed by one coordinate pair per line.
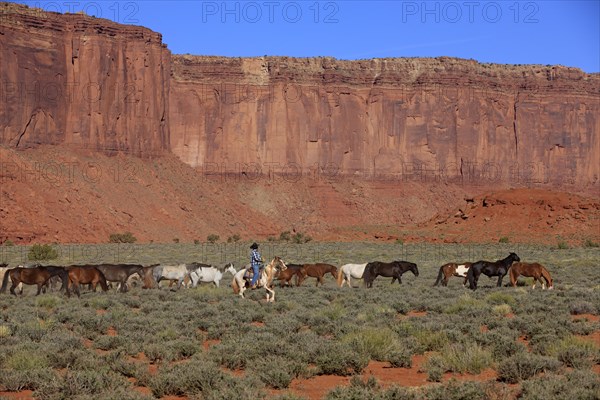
x,y
265,280
347,271
209,273
174,272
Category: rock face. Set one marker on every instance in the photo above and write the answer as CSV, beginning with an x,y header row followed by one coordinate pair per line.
x,y
81,81
87,82
423,119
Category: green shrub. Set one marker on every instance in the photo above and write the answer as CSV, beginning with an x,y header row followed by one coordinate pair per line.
x,y
39,252
523,366
582,307
503,239
468,357
300,238
234,238
562,245
285,236
126,237
340,359
376,344
577,384
212,238
8,243
589,243
575,352
435,368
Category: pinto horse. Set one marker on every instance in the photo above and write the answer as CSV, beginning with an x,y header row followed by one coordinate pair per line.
x,y
532,270
86,275
395,269
266,278
348,271
286,276
317,271
497,268
452,269
34,276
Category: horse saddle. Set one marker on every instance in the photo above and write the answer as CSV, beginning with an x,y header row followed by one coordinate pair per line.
x,y
249,274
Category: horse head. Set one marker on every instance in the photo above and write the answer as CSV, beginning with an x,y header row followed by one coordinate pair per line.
x,y
278,264
229,267
514,257
414,269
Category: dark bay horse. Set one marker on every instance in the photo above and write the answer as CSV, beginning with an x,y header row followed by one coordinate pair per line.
x,y
497,268
83,275
452,269
293,270
34,276
316,271
395,269
120,273
532,270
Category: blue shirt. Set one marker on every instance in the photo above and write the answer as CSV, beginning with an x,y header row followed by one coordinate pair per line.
x,y
255,258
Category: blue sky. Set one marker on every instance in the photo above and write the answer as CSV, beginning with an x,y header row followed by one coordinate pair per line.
x,y
507,32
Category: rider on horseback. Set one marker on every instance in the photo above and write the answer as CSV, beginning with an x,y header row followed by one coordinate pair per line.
x,y
255,263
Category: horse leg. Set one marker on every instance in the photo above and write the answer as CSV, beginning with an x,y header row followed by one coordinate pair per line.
x,y
272,293
513,278
499,284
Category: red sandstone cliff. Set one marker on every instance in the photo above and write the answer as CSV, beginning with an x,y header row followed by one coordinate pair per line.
x,y
434,118
368,148
77,80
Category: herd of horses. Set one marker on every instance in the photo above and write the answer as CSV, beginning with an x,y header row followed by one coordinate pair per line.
x,y
71,277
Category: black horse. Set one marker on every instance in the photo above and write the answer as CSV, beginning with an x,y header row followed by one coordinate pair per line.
x,y
395,269
498,268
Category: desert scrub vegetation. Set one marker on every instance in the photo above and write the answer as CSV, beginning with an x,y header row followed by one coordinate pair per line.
x,y
42,252
105,343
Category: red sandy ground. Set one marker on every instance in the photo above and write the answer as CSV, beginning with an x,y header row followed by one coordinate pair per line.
x,y
64,195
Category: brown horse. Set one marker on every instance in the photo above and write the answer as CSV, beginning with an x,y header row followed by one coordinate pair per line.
x,y
532,270
86,275
34,276
316,271
452,269
293,270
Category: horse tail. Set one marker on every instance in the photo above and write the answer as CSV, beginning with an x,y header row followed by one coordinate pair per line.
x,y
102,280
5,281
235,285
547,277
440,276
471,277
340,276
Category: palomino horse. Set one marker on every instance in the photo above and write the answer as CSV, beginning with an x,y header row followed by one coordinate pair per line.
x,y
317,271
452,269
266,278
497,268
286,276
86,275
532,270
395,269
34,276
348,271
209,273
